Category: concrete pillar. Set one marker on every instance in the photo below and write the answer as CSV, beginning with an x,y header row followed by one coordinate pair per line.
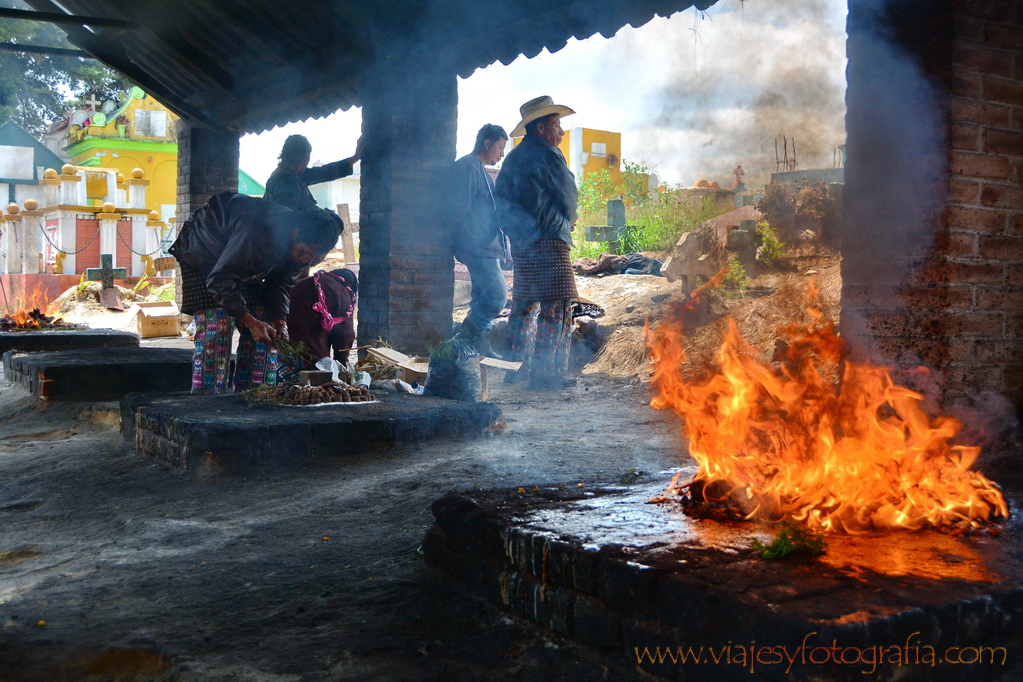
x,y
51,187
108,233
68,242
5,228
32,246
405,266
122,192
13,240
72,186
207,165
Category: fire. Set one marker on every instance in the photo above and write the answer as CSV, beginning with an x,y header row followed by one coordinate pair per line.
x,y
817,439
32,310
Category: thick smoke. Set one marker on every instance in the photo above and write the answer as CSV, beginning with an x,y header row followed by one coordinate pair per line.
x,y
738,78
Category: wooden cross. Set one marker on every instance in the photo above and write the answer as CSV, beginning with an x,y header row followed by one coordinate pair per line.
x,y
91,101
106,273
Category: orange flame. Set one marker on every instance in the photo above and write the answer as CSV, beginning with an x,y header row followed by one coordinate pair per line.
x,y
816,439
27,302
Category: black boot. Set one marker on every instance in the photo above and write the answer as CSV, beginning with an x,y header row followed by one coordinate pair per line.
x,y
483,346
479,339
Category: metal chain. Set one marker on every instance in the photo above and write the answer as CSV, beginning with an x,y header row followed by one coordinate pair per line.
x,y
69,253
17,242
157,250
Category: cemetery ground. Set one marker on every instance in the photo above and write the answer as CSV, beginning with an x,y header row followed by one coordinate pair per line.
x,y
118,567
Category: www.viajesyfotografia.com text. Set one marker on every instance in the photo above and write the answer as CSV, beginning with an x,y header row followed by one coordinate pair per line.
x,y
868,658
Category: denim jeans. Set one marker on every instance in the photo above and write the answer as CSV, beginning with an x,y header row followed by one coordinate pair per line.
x,y
489,291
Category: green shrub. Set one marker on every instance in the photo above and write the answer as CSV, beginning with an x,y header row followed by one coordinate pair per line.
x,y
653,225
773,248
735,282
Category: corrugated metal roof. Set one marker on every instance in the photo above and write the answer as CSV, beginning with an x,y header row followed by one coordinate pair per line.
x,y
250,65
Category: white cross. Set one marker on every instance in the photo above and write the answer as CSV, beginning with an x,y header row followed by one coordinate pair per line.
x,y
91,101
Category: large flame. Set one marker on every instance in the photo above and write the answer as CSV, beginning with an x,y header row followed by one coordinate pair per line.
x,y
31,309
814,438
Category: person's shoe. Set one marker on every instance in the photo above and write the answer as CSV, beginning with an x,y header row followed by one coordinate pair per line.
x,y
483,346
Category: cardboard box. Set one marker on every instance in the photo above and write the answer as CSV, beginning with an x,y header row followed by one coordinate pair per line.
x,y
410,368
159,318
414,369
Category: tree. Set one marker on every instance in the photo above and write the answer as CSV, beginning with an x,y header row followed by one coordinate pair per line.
x,y
36,89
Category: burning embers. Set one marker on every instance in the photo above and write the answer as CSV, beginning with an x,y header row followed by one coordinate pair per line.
x,y
816,439
22,320
28,314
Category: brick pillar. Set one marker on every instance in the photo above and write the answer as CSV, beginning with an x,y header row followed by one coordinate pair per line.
x,y
405,261
895,294
207,165
933,236
985,215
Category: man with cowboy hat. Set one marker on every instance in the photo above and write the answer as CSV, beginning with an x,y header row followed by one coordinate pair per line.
x,y
537,204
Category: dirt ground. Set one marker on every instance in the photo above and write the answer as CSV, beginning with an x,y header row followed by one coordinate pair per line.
x,y
115,567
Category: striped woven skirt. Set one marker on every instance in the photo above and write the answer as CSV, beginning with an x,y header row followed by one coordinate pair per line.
x,y
543,272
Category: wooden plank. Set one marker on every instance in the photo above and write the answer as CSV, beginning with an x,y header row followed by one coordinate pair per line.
x,y
347,240
389,355
501,364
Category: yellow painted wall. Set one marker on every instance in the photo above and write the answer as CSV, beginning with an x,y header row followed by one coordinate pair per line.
x,y
612,160
106,144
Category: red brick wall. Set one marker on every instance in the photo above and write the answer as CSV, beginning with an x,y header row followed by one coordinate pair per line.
x,y
933,213
985,210
89,257
123,259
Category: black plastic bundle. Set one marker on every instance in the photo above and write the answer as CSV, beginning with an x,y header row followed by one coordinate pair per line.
x,y
454,372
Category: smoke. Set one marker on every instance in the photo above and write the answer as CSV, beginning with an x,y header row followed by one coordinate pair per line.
x,y
719,92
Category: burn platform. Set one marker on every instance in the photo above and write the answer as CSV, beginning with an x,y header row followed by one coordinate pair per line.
x,y
606,569
66,339
100,373
220,433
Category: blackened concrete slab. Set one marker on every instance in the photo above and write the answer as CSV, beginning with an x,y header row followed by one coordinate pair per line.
x,y
69,339
221,434
100,373
609,570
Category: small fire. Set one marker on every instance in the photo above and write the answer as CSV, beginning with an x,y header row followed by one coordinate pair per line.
x,y
32,311
816,439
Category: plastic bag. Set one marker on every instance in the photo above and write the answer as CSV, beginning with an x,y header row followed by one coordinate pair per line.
x,y
328,364
455,372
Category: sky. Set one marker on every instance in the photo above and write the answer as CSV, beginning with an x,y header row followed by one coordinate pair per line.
x,y
693,94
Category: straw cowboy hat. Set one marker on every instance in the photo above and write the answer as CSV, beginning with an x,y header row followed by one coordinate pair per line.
x,y
538,108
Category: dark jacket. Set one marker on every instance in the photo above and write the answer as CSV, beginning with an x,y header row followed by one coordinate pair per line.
x,y
536,194
306,324
236,238
473,211
288,189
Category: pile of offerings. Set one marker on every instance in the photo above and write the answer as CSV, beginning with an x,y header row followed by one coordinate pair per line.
x,y
293,394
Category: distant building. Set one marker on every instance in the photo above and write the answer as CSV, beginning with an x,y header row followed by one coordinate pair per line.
x,y
140,133
23,159
828,176
591,151
341,191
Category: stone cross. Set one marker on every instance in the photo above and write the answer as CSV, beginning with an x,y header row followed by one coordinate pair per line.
x,y
106,273
91,101
615,228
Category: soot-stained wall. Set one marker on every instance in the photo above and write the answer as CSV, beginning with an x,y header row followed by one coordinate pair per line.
x,y
933,225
